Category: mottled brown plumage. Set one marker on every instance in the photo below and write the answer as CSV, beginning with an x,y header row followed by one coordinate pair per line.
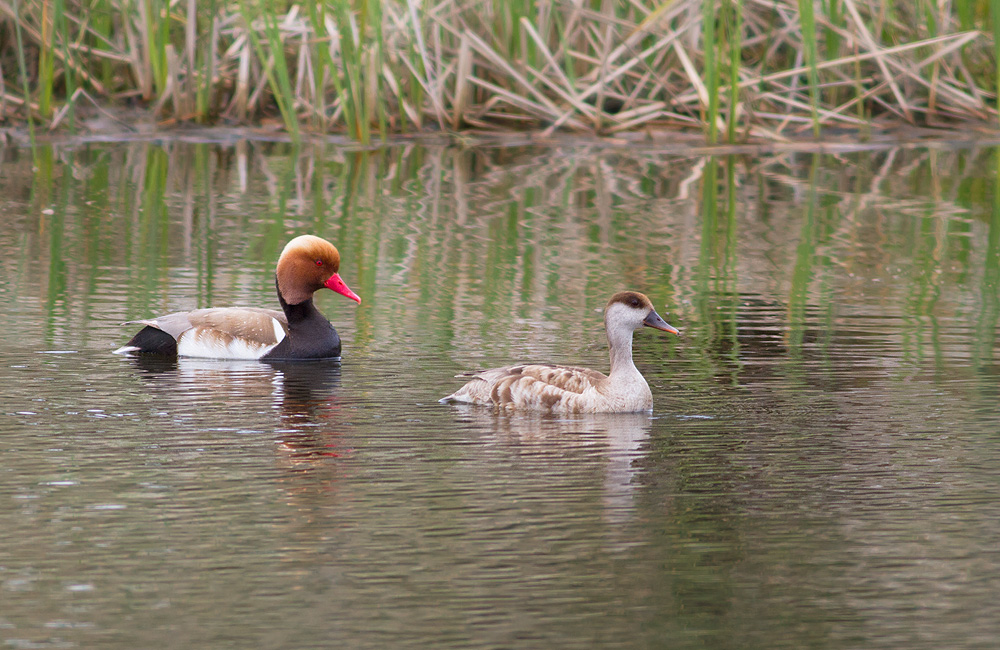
x,y
572,389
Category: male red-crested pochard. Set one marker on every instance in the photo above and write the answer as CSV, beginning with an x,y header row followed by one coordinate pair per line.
x,y
307,264
567,389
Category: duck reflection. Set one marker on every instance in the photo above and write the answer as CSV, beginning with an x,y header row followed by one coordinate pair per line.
x,y
152,364
197,383
620,439
212,393
305,395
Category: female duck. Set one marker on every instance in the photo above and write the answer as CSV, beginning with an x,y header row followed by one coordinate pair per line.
x,y
567,389
299,331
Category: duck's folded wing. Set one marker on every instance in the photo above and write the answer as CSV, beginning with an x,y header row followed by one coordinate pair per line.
x,y
536,385
251,324
260,326
568,378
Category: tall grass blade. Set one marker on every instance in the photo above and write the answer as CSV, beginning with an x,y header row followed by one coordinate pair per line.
x,y
809,39
69,76
277,74
735,44
23,67
322,66
154,26
995,13
432,84
206,89
711,72
352,89
46,64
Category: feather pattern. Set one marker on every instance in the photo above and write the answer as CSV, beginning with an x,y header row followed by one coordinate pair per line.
x,y
571,389
537,386
299,331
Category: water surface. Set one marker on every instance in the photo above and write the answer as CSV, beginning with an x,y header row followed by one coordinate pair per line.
x,y
821,469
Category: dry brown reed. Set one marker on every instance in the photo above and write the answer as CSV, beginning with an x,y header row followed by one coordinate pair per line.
x,y
588,67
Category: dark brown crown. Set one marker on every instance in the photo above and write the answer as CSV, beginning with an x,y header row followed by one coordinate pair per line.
x,y
632,299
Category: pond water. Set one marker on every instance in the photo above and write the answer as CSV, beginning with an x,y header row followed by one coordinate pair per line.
x,y
821,469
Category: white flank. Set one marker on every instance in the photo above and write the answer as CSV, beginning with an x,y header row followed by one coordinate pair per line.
x,y
203,343
279,331
125,349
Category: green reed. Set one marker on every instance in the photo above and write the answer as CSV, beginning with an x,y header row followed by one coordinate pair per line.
x,y
324,66
275,66
46,63
711,72
374,88
23,69
155,26
369,67
352,95
809,38
966,12
734,42
995,13
102,30
205,89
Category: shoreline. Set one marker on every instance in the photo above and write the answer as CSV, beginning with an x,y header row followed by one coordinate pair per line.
x,y
139,126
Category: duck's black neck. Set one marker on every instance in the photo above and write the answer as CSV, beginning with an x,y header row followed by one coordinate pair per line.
x,y
299,313
310,334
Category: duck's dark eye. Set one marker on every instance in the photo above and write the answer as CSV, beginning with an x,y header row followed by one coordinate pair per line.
x,y
319,262
635,302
